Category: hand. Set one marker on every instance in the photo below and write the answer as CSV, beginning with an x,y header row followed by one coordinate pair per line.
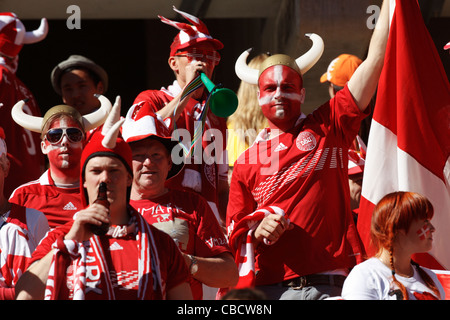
x,y
193,69
95,214
271,228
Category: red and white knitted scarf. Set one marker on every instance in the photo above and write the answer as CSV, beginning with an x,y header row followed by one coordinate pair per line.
x,y
240,239
71,252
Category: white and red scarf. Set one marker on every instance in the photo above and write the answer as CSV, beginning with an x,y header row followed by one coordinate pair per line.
x,y
240,239
77,251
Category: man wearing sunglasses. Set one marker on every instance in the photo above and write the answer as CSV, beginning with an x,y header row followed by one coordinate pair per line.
x,y
56,193
194,51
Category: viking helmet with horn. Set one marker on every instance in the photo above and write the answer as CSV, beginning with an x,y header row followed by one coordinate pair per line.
x,y
37,124
107,142
13,34
301,64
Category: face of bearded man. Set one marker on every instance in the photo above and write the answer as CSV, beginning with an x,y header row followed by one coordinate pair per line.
x,y
280,96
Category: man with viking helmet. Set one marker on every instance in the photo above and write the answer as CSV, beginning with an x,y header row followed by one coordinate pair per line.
x,y
192,51
131,261
63,132
26,160
289,217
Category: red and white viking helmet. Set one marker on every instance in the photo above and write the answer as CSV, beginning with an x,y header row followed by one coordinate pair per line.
x,y
357,157
447,46
141,123
13,34
189,35
304,62
36,124
106,142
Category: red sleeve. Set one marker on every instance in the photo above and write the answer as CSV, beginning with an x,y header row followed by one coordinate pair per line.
x,y
213,239
241,201
346,115
153,100
45,245
7,293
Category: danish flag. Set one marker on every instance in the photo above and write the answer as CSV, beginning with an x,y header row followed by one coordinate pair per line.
x,y
409,140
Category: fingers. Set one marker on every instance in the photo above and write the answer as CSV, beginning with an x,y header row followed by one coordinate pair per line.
x,y
95,214
195,67
271,228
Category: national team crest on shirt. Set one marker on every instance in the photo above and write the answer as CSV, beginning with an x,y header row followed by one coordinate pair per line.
x,y
210,173
306,141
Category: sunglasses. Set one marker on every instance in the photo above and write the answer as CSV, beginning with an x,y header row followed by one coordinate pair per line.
x,y
211,57
54,136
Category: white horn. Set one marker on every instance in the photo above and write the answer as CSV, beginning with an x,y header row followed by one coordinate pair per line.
x,y
25,120
38,34
110,139
98,117
113,116
309,59
243,71
112,125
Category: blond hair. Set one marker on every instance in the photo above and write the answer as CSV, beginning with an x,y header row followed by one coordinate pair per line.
x,y
248,119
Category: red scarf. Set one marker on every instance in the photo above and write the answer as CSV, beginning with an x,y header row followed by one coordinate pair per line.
x,y
68,252
241,242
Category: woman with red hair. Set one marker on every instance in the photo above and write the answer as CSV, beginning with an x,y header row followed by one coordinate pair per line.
x,y
400,227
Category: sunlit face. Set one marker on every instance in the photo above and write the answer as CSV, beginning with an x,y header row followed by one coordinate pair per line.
x,y
111,171
202,57
151,165
78,91
280,96
65,154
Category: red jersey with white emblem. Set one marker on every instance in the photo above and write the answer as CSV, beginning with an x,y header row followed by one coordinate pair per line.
x,y
304,172
197,175
24,151
122,257
188,219
57,203
19,236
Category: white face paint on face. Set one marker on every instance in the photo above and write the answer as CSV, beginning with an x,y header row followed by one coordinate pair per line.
x,y
65,154
281,95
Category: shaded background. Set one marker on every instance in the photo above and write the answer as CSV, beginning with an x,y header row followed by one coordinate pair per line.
x,y
130,42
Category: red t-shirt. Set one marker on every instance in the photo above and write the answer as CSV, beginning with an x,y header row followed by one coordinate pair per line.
x,y
58,204
121,255
188,219
304,172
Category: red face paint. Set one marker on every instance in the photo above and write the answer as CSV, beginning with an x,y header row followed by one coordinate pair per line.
x,y
280,96
424,232
65,154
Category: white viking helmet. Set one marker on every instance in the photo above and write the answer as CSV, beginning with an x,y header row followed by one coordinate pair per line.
x,y
36,124
304,62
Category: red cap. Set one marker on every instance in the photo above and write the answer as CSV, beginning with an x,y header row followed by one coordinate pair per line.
x,y
141,123
190,35
95,148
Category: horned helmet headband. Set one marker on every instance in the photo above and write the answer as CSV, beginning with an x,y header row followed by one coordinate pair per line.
x,y
301,65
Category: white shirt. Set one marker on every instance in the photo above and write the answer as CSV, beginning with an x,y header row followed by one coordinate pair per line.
x,y
372,280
